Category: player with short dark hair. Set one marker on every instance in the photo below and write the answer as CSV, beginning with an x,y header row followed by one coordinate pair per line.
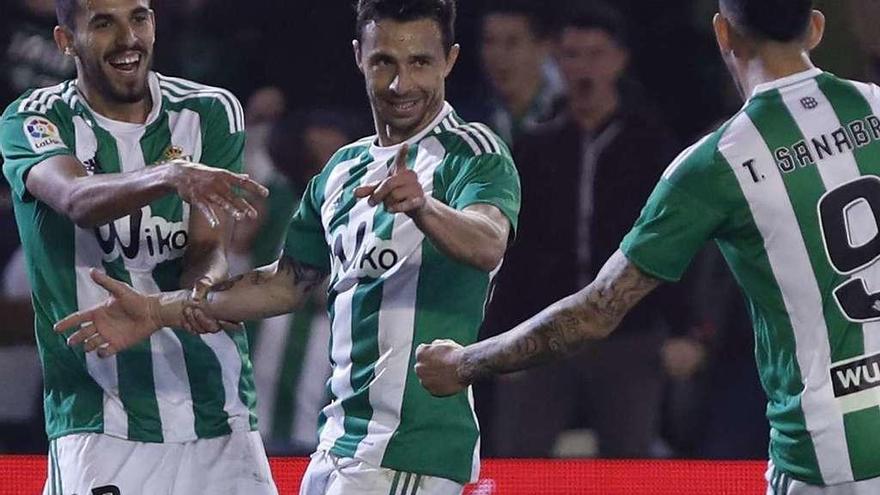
x,y
789,190
135,174
411,224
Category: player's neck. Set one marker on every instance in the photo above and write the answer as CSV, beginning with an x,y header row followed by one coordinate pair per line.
x,y
134,113
388,135
771,66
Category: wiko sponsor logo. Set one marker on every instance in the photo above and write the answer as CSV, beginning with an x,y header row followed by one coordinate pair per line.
x,y
361,253
143,239
856,376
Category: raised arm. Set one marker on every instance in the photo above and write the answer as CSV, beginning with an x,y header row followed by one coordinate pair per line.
x,y
62,182
129,317
476,235
445,368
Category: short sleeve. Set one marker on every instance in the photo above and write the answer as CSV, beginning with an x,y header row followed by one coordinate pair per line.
x,y
306,242
224,134
27,139
490,179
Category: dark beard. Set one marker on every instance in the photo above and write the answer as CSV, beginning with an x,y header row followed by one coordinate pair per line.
x,y
101,83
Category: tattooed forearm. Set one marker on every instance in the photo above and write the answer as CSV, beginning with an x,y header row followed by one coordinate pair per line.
x,y
303,277
564,327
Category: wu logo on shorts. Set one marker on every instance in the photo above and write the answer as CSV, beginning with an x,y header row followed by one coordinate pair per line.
x,y
142,239
809,102
856,376
361,253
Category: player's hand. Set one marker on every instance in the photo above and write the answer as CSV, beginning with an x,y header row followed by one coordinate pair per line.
x,y
213,190
682,356
120,322
194,318
437,367
401,192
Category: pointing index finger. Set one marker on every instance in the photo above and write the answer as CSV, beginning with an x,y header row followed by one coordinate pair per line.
x,y
400,159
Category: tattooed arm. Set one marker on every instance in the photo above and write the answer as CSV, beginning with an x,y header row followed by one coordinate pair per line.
x,y
129,317
445,368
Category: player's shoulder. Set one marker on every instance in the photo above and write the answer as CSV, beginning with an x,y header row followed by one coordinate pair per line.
x,y
211,102
869,91
471,141
351,151
50,102
701,156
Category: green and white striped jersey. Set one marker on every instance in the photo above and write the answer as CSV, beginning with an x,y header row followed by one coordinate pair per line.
x,y
789,190
175,387
391,290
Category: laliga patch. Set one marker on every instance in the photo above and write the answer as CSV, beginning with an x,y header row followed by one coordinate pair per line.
x,y
43,135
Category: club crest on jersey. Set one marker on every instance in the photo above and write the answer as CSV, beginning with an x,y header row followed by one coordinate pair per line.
x,y
174,152
142,239
361,254
42,135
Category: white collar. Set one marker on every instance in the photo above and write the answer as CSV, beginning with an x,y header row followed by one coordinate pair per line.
x,y
786,81
380,152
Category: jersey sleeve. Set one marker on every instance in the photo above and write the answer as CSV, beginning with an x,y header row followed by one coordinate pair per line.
x,y
679,216
306,242
490,179
224,135
27,139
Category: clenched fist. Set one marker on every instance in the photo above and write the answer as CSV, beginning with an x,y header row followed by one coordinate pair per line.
x,y
437,366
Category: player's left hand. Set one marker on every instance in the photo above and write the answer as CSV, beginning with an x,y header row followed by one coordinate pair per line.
x,y
194,318
437,367
401,192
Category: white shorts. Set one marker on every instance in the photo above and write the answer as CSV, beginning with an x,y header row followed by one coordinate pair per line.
x,y
779,483
97,464
328,474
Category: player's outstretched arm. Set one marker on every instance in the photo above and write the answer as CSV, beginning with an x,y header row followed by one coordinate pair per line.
x,y
445,368
91,200
476,235
129,317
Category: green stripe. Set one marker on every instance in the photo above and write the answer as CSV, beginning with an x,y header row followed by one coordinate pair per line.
x,y
283,411
365,306
394,483
862,431
778,366
206,386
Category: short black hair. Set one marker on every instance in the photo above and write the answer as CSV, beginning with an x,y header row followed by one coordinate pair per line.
x,y
442,11
65,11
538,14
775,20
595,15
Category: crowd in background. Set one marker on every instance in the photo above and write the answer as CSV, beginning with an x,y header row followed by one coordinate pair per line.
x,y
595,100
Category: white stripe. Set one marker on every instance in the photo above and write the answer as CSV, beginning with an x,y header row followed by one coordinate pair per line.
x,y
170,376
33,101
496,147
228,357
233,123
190,88
464,136
397,317
89,294
340,377
871,93
474,133
783,242
475,457
186,132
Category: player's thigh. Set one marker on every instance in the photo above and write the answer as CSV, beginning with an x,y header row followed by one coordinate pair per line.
x,y
779,483
95,464
331,475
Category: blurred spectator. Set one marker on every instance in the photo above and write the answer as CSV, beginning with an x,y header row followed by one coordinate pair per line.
x,y
289,351
515,54
28,55
585,177
21,420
